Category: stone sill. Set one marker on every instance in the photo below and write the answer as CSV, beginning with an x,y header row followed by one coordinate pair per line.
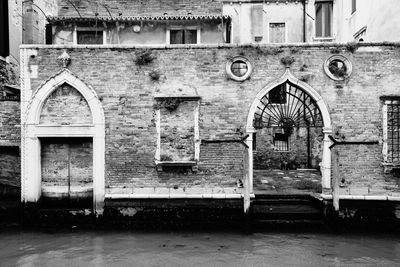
x,y
324,39
183,97
362,197
66,124
176,196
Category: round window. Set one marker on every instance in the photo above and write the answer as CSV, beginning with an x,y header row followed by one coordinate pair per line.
x,y
337,67
238,68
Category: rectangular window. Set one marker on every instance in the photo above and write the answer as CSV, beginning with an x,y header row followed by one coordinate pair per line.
x,y
90,37
277,33
183,36
254,142
353,6
323,18
281,142
393,130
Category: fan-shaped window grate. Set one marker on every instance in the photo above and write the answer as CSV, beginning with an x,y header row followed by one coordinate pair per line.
x,y
287,106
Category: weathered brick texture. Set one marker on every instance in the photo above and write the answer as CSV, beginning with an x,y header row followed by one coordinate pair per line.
x,y
66,106
140,7
10,166
127,95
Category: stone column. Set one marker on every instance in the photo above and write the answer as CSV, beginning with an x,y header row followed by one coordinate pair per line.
x,y
249,142
31,177
326,159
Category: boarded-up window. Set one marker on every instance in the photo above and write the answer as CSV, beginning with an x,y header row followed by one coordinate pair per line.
x,y
90,37
277,33
323,19
183,36
177,129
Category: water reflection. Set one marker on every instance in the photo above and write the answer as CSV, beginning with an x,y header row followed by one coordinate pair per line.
x,y
196,249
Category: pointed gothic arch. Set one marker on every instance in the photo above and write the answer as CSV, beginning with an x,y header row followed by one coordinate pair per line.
x,y
288,77
32,131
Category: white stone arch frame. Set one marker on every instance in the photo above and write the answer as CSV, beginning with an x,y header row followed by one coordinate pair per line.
x,y
32,131
327,129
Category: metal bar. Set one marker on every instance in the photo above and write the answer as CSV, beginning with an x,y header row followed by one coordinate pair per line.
x,y
69,173
204,141
335,142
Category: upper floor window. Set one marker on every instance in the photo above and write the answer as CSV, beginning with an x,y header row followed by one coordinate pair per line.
x,y
183,36
323,18
89,37
353,6
277,33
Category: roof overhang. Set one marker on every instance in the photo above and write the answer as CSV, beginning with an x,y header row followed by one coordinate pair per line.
x,y
137,18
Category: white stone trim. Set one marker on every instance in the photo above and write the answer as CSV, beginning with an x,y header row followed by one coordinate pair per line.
x,y
362,197
175,196
228,68
326,154
32,130
346,62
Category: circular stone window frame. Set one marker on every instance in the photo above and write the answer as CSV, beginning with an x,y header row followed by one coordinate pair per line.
x,y
228,68
346,62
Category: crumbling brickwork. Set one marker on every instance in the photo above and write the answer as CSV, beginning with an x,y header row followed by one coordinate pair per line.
x,y
65,106
127,95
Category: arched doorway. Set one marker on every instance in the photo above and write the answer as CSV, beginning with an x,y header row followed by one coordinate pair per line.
x,y
288,126
52,131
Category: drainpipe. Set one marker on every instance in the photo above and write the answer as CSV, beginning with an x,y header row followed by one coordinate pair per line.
x,y
304,21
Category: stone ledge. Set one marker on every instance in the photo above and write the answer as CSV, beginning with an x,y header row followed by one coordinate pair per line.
x,y
174,196
205,46
362,197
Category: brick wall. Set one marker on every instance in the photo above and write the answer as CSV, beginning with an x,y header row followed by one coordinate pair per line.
x,y
10,167
127,94
9,108
66,106
139,7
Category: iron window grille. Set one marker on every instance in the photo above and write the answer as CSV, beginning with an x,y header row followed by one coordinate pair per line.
x,y
393,131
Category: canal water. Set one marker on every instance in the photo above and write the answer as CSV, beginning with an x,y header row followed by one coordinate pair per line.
x,y
83,248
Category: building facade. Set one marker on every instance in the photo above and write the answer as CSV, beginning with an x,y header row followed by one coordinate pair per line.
x,y
206,100
189,133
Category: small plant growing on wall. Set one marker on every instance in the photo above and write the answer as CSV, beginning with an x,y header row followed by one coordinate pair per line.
x,y
155,75
170,103
335,50
165,158
352,47
144,57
